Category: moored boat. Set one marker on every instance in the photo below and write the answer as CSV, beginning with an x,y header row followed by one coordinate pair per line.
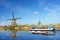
x,y
43,30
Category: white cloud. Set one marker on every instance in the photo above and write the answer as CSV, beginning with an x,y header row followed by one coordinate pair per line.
x,y
36,12
49,14
52,13
2,16
47,18
52,9
4,23
41,3
45,8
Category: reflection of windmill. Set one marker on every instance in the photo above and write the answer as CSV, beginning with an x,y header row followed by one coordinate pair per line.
x,y
13,20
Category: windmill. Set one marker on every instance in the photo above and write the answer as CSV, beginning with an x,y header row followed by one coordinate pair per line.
x,y
13,20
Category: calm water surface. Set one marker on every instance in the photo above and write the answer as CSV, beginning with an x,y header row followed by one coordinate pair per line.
x,y
25,35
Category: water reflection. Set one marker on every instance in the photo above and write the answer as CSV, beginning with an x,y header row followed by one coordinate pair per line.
x,y
13,34
24,35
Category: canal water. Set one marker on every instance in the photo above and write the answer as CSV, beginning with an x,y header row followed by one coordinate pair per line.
x,y
25,35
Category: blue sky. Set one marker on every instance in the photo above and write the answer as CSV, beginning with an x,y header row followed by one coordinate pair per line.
x,y
31,11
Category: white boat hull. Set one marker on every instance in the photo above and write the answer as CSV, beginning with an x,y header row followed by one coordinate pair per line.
x,y
41,31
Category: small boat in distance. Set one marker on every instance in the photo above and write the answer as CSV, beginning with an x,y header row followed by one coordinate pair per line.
x,y
42,30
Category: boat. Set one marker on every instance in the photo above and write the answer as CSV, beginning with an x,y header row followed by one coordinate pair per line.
x,y
42,30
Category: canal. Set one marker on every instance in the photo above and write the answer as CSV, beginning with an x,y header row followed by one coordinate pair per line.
x,y
25,35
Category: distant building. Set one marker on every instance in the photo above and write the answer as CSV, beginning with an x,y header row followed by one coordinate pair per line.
x,y
3,27
33,26
17,28
57,26
39,24
25,27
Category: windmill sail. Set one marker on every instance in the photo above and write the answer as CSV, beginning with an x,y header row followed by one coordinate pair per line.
x,y
13,20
